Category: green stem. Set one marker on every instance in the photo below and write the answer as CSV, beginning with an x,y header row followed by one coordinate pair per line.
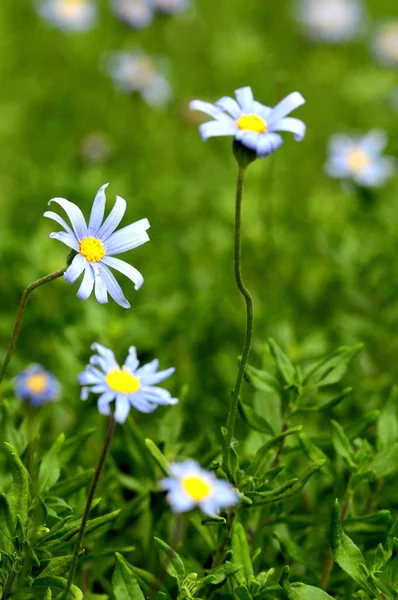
x,y
249,323
20,313
97,474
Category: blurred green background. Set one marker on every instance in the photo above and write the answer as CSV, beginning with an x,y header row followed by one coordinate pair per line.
x,y
321,262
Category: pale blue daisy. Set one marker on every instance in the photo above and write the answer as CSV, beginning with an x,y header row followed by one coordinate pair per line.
x,y
385,43
129,385
73,15
332,21
135,13
96,244
359,158
251,123
191,486
171,7
37,385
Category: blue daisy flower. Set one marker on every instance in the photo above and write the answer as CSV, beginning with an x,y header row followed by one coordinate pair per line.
x,y
129,385
73,15
37,385
332,21
96,244
385,43
135,13
251,123
359,158
191,486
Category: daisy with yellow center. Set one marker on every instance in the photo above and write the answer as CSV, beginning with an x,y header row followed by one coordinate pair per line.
x,y
96,243
128,386
74,15
190,486
37,385
331,21
252,124
135,13
359,158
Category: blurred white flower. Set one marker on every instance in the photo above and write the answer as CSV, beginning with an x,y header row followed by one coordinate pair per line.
x,y
95,148
73,15
359,158
385,43
137,72
331,21
135,13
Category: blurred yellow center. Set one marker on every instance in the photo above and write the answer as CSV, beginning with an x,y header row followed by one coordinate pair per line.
x,y
358,160
252,123
196,488
92,249
123,381
37,383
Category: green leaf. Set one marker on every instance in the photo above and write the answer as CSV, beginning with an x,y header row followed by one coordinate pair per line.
x,y
330,370
69,486
57,566
158,456
254,420
385,463
18,494
314,453
124,584
262,380
387,427
73,445
242,593
301,591
241,552
48,595
172,563
259,464
50,466
362,424
342,444
327,405
58,582
7,522
285,367
219,574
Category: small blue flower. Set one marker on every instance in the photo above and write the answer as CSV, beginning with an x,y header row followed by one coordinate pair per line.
x,y
171,7
191,486
385,43
96,244
37,385
129,385
359,158
73,15
251,123
135,13
332,21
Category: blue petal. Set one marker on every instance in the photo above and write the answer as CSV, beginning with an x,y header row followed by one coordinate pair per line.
x,y
97,211
286,106
245,99
268,143
261,110
208,109
112,286
87,284
217,128
122,408
52,215
375,141
107,355
157,395
139,402
127,270
113,219
248,138
132,361
149,368
69,239
100,289
229,105
295,126
153,378
75,215
127,238
103,403
75,269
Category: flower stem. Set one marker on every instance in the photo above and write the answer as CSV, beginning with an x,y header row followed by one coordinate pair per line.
x,y
20,313
249,323
97,474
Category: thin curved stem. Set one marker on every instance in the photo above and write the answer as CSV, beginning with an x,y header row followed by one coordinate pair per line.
x,y
20,313
97,474
249,323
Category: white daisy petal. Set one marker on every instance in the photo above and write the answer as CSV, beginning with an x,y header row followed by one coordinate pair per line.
x,y
286,106
87,284
217,128
75,269
245,99
229,105
129,237
127,270
295,126
75,216
52,215
97,211
113,219
68,239
122,408
209,109
112,286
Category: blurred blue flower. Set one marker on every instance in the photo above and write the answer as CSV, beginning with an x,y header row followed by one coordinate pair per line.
x,y
73,15
171,7
359,158
251,123
129,385
191,486
137,72
37,385
96,244
331,21
135,13
385,43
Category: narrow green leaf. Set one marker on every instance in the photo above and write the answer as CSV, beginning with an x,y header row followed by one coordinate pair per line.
x,y
73,445
259,464
242,593
58,582
362,424
285,367
57,566
171,561
50,466
124,584
158,456
241,552
7,522
262,380
67,487
48,595
254,420
313,452
327,405
298,591
385,463
341,444
18,494
387,426
330,370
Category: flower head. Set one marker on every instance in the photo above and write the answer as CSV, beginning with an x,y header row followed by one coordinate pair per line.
x,y
191,486
251,123
74,15
137,72
135,13
359,158
385,43
37,385
96,243
331,21
171,7
129,385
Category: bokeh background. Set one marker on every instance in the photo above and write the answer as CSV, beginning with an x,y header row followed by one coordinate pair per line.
x,y
320,259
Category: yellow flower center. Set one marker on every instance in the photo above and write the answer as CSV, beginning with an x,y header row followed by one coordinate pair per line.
x,y
123,381
197,488
358,160
252,123
37,383
92,249
72,8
